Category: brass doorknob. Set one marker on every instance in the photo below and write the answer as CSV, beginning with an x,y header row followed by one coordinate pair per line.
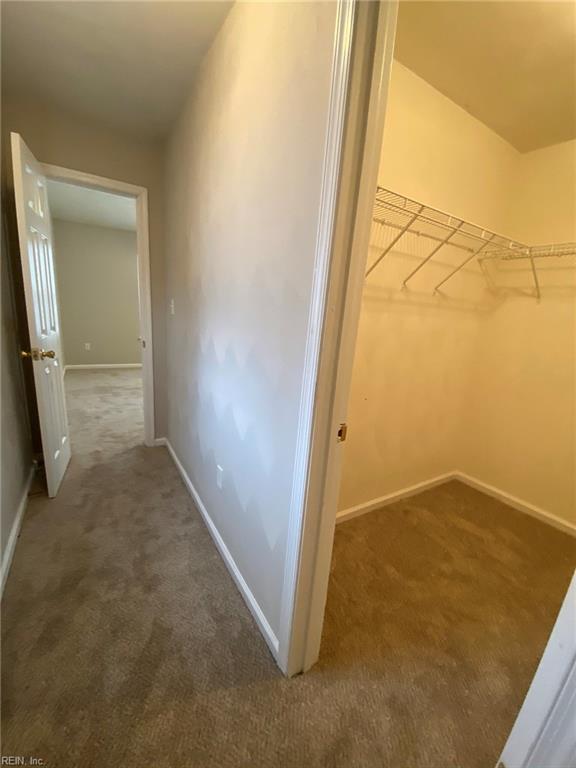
x,y
38,354
33,354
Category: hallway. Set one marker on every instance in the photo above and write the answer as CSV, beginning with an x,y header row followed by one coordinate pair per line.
x,y
118,612
126,643
180,557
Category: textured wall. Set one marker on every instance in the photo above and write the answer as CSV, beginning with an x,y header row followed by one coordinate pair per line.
x,y
244,175
97,279
64,139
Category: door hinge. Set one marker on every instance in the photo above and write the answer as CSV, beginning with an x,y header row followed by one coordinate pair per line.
x,y
342,432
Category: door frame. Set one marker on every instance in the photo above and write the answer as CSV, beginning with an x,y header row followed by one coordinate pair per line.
x,y
140,195
549,704
351,170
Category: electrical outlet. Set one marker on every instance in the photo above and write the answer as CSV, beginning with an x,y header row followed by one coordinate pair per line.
x,y
172,307
88,345
219,476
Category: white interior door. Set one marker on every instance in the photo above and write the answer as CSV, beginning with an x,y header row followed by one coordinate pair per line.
x,y
36,253
544,734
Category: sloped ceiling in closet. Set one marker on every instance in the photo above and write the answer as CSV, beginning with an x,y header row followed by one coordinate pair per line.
x,y
516,63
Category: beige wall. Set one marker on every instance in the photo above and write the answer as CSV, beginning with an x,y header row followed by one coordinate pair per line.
x,y
64,139
520,426
407,396
521,429
545,195
438,154
465,382
248,148
413,350
97,279
16,448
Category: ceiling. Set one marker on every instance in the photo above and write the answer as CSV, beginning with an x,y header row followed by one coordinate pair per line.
x,y
91,206
130,65
512,65
127,65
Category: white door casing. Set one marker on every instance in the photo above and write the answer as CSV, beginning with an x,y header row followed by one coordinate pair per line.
x,y
140,195
544,732
36,254
333,331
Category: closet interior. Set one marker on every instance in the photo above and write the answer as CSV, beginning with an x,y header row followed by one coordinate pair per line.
x,y
457,510
465,354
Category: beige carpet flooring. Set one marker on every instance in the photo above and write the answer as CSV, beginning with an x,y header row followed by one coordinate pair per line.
x,y
126,644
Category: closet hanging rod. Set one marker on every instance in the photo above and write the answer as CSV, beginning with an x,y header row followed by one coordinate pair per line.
x,y
550,251
407,216
421,233
467,232
472,232
400,205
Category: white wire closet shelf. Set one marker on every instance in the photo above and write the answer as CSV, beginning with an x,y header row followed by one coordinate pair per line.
x,y
407,216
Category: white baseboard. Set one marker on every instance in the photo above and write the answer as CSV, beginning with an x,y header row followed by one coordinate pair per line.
x,y
14,532
97,366
516,503
489,490
160,441
243,587
390,498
